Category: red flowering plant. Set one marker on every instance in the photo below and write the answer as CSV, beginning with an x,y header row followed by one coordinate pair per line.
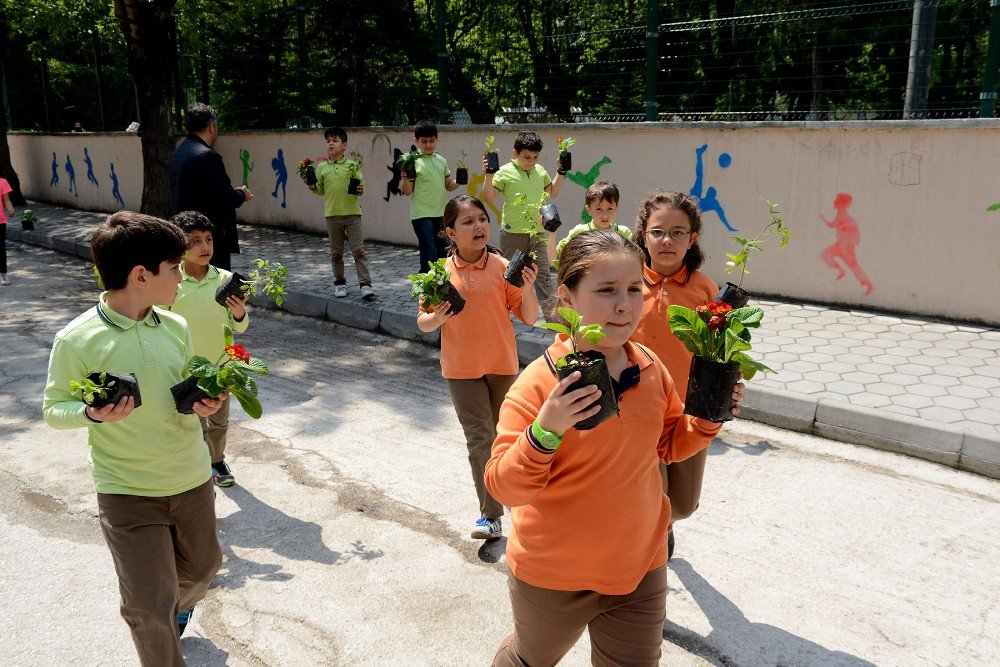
x,y
307,170
230,373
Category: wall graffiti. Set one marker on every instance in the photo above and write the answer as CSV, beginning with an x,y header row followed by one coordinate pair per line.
x,y
709,199
904,168
280,176
114,187
72,177
55,172
585,180
90,168
247,166
848,237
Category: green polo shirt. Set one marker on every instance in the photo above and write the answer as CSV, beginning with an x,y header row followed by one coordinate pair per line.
x,y
155,451
588,227
429,193
196,303
512,181
332,179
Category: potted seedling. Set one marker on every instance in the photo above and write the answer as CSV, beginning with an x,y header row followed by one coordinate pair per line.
x,y
28,220
519,260
433,287
592,365
229,373
461,170
307,168
269,278
354,170
100,389
549,213
565,157
492,156
719,337
407,162
735,295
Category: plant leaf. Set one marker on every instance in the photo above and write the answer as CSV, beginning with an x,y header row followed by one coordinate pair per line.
x,y
201,367
734,344
691,330
227,334
210,385
592,332
555,326
749,367
993,207
749,316
570,316
250,404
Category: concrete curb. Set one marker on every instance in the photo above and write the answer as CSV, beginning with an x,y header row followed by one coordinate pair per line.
x,y
837,420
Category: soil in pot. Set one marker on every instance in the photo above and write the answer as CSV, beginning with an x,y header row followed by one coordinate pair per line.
x,y
186,394
518,261
125,385
710,390
232,288
550,217
462,176
454,297
492,163
734,296
311,175
566,161
353,185
594,370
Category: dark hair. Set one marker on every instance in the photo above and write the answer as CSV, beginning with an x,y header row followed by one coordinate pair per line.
x,y
199,116
192,221
128,239
336,131
451,210
425,128
669,199
527,141
587,249
602,190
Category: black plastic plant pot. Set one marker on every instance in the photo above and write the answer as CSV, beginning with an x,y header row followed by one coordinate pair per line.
x,y
492,162
462,176
454,297
125,385
232,288
566,161
518,261
594,370
186,394
27,225
411,172
550,217
710,390
311,175
734,296
353,185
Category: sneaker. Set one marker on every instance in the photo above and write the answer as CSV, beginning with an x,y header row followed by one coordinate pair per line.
x,y
487,529
367,293
222,475
183,618
340,291
4,281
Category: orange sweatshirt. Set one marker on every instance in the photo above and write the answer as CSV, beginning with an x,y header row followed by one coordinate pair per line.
x,y
653,331
591,515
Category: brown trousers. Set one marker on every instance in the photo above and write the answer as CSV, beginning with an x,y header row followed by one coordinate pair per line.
x,y
165,552
215,427
625,630
682,484
340,228
477,404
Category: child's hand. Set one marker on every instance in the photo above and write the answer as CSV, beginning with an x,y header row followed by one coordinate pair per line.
x,y
442,313
486,173
561,411
738,395
112,412
238,306
361,189
209,406
528,274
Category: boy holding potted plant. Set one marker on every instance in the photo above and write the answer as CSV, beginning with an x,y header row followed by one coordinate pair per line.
x,y
150,465
428,186
207,320
601,204
339,180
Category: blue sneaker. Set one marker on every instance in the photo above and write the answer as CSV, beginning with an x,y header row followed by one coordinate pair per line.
x,y
182,620
487,529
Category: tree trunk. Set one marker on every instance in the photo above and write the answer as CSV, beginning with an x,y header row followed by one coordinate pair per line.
x,y
150,36
6,167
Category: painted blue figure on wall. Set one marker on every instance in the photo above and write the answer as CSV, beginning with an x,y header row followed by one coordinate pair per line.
x,y
114,187
588,179
709,199
55,171
90,167
72,177
281,175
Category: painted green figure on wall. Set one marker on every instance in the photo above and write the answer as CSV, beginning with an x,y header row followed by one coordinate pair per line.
x,y
588,179
247,166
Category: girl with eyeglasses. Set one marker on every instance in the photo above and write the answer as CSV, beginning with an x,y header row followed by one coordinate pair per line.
x,y
667,230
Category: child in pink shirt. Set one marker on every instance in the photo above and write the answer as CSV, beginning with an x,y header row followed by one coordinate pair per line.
x,y
5,210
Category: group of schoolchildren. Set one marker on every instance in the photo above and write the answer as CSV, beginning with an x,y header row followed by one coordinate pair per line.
x,y
592,510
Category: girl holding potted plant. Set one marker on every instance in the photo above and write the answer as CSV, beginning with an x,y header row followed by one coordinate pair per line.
x,y
590,517
478,350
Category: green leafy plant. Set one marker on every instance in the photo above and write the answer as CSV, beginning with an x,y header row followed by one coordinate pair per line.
x,y
577,332
89,390
229,373
354,167
408,161
27,215
460,164
489,146
718,333
271,278
774,227
565,144
430,287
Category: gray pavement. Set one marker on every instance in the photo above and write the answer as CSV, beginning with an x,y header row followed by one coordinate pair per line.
x,y
924,388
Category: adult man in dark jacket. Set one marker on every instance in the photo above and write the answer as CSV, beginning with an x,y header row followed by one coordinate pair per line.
x,y
199,182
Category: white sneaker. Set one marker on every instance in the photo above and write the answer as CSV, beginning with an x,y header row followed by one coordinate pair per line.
x,y
367,293
487,529
340,291
3,279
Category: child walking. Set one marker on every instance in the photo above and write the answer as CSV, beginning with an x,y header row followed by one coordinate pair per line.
x,y
6,210
428,194
601,204
607,574
196,303
667,230
478,350
150,464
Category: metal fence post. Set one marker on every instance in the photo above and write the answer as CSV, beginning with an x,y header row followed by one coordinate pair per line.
x,y
652,60
988,96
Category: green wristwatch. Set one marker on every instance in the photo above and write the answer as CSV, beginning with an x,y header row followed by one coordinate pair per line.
x,y
546,439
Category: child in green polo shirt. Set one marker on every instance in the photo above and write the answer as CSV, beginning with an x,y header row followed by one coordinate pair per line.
x,y
601,204
429,195
518,221
150,463
206,319
342,211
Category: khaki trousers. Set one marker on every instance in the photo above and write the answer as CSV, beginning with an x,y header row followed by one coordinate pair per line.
x,y
341,228
682,484
215,427
545,287
625,630
165,552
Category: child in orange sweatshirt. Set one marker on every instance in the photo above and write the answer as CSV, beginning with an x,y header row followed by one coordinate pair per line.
x,y
478,350
607,572
667,230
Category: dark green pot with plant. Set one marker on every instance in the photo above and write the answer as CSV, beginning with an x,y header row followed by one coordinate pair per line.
x,y
593,369
734,295
462,176
710,389
518,261
550,217
116,387
454,297
233,287
186,394
353,185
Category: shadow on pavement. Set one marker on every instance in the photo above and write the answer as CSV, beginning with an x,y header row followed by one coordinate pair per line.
x,y
720,447
201,652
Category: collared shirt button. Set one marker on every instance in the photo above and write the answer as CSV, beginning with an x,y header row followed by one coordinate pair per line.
x,y
145,343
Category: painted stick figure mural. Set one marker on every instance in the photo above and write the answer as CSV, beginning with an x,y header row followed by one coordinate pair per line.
x,y
475,188
90,167
848,237
392,186
114,187
588,179
247,166
280,175
72,177
55,171
709,200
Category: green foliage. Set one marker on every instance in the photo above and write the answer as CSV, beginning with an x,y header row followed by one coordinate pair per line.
x,y
489,146
354,166
229,373
430,287
460,163
27,215
722,337
408,161
269,277
565,144
576,330
90,390
774,227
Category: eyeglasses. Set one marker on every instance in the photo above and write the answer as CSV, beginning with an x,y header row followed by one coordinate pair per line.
x,y
675,234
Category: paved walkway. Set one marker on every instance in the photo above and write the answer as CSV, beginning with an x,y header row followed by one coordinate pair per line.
x,y
921,387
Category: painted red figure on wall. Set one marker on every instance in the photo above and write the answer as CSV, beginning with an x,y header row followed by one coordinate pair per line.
x,y
848,237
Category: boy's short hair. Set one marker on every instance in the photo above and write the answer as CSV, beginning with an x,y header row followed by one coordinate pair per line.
x,y
199,116
335,131
192,221
527,141
425,128
602,190
128,239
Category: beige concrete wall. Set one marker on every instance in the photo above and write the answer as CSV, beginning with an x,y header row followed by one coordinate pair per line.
x,y
919,190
